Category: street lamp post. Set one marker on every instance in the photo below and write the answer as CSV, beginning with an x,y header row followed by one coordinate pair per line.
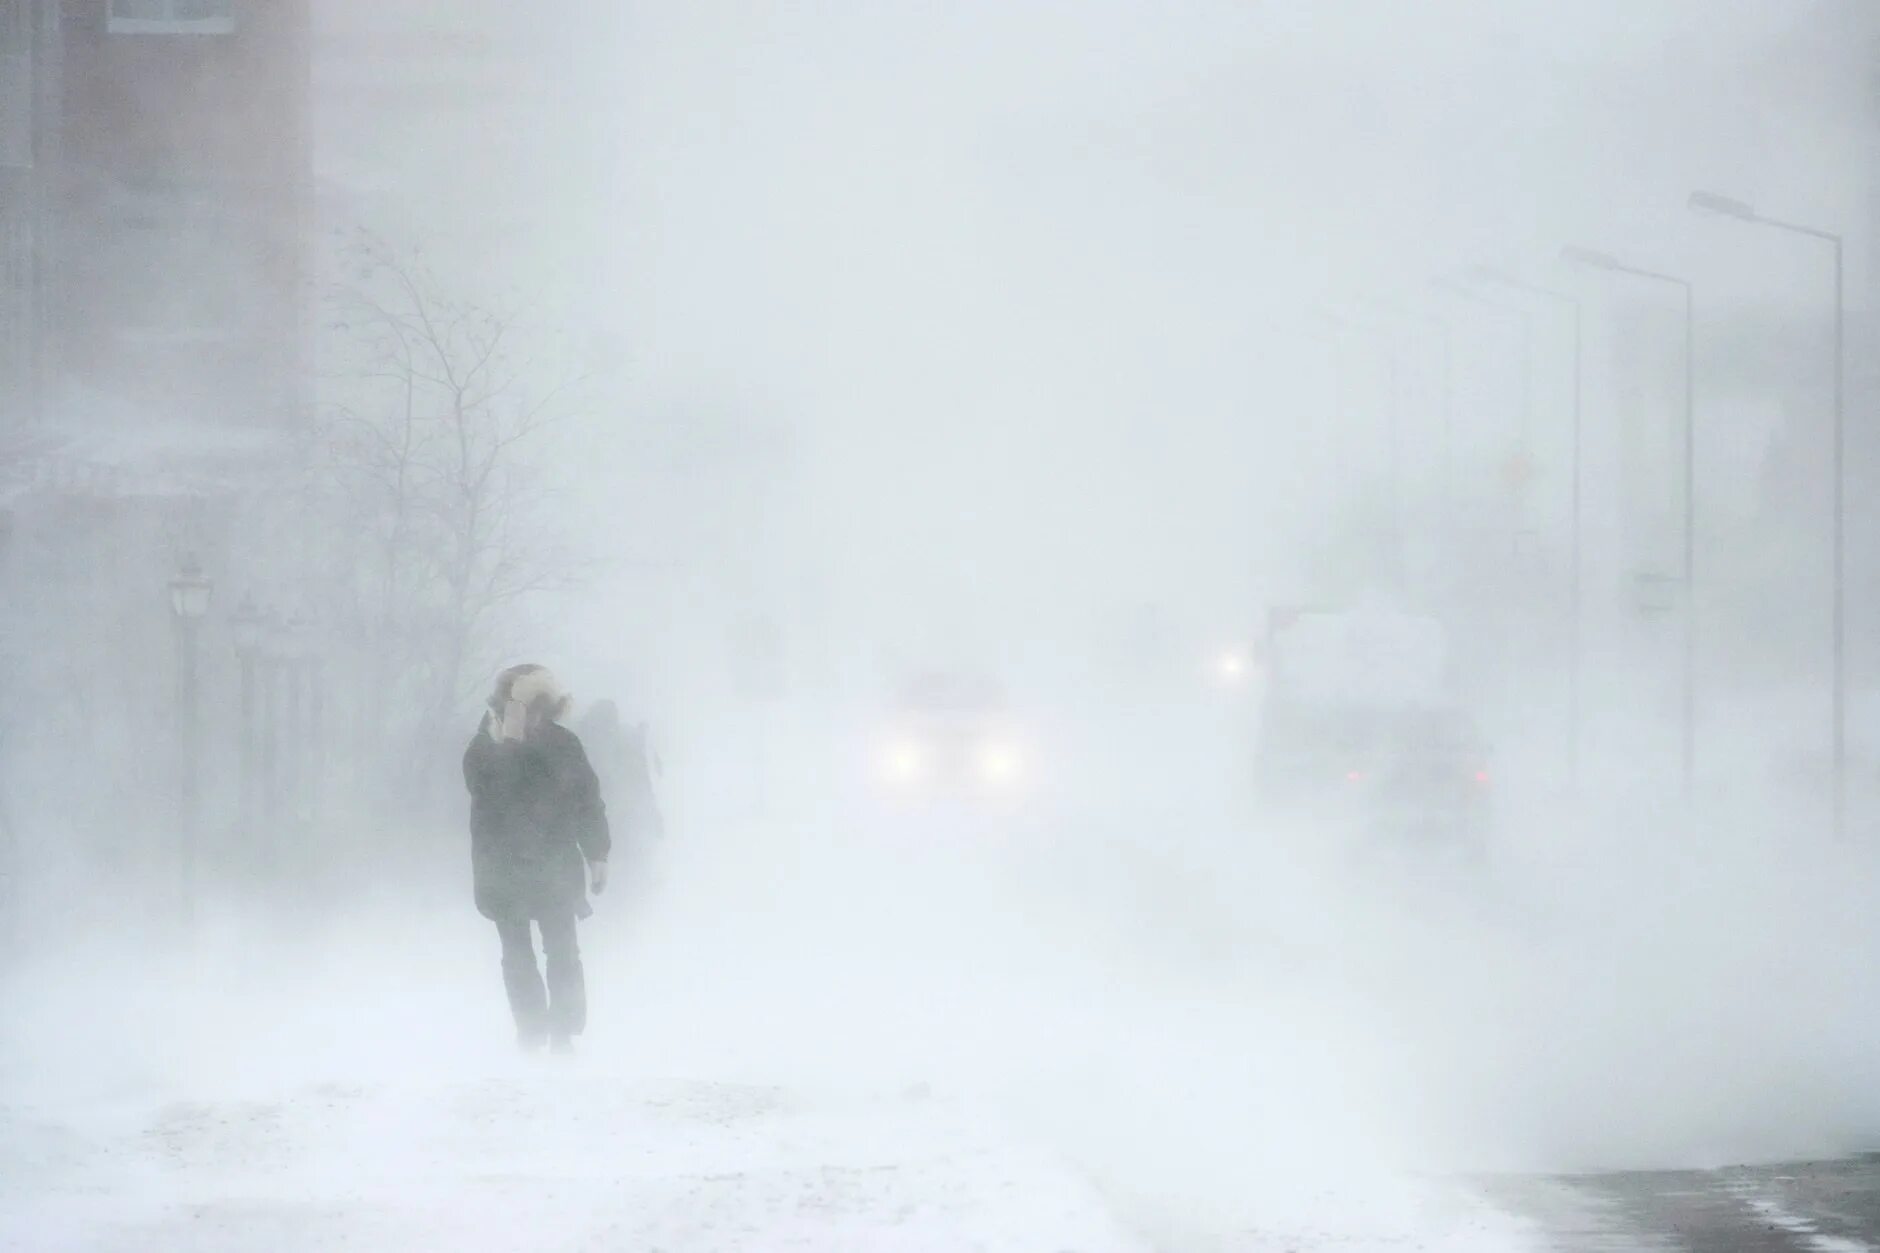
x,y
1606,262
267,735
1724,206
248,624
316,726
1576,457
293,661
190,594
305,715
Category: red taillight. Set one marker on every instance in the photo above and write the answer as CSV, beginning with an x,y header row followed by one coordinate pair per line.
x,y
1354,776
1481,777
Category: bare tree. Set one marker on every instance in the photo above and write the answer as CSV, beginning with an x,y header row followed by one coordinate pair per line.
x,y
435,428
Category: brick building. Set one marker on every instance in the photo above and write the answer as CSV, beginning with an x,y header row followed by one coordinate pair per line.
x,y
154,178
175,293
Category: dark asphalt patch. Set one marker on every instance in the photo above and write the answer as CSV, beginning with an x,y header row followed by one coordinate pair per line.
x,y
1808,1207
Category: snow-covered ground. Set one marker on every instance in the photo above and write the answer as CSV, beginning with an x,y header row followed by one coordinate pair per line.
x,y
567,1158
799,1040
557,1159
1127,1027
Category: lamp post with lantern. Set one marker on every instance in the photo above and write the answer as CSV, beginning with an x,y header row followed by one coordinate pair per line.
x,y
294,634
311,731
247,623
190,594
271,651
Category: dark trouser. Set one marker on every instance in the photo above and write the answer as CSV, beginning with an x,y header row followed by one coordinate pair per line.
x,y
560,1009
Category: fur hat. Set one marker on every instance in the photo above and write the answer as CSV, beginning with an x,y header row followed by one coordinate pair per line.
x,y
525,697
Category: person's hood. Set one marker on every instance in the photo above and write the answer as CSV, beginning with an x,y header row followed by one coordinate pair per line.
x,y
526,696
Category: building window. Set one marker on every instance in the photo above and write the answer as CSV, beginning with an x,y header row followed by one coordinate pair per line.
x,y
16,85
172,17
16,26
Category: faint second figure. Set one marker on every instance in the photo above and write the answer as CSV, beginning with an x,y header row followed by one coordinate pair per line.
x,y
624,758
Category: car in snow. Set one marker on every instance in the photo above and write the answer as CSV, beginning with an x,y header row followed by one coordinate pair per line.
x,y
952,736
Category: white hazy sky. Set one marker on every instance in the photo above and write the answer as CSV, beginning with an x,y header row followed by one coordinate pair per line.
x,y
1011,273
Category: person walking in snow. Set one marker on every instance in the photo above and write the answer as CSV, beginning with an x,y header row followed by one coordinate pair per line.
x,y
538,843
626,763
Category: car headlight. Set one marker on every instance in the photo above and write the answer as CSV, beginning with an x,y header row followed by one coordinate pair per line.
x,y
999,763
1232,668
904,762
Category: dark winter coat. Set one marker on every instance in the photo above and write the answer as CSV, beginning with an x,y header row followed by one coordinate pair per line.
x,y
536,818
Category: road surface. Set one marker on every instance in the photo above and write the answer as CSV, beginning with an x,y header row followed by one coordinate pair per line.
x,y
1813,1207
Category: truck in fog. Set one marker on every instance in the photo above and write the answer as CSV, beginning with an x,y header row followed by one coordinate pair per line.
x,y
1361,726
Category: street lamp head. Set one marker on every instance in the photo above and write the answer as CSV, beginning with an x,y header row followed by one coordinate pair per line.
x,y
1721,206
1573,254
190,590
